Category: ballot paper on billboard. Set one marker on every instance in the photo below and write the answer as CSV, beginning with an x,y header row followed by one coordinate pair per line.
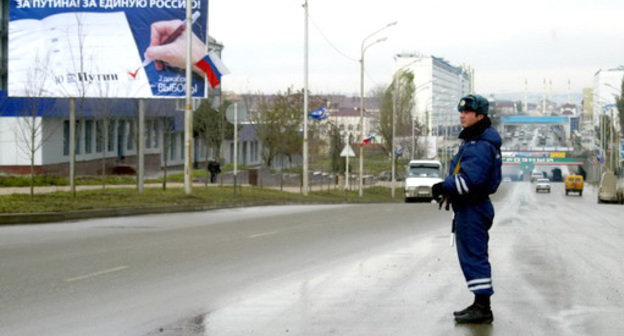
x,y
96,48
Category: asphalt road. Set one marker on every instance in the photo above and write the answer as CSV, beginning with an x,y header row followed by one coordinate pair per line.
x,y
316,270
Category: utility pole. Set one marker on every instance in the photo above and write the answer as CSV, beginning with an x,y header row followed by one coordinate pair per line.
x,y
305,102
362,51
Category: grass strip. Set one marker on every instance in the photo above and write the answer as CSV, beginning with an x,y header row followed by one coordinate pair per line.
x,y
155,197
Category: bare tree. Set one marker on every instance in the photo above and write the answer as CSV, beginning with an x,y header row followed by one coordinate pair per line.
x,y
401,96
276,122
336,144
29,133
210,125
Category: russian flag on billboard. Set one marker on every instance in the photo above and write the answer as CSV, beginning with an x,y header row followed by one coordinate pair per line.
x,y
319,113
213,67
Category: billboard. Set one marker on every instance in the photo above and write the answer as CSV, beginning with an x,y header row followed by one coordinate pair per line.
x,y
103,48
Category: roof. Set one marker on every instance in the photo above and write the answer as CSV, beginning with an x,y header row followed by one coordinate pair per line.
x,y
85,107
338,104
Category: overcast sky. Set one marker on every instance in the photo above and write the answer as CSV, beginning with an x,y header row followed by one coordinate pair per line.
x,y
505,41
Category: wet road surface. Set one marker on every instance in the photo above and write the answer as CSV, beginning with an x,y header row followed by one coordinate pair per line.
x,y
316,270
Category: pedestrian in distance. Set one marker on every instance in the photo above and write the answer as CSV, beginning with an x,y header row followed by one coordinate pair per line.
x,y
474,174
214,168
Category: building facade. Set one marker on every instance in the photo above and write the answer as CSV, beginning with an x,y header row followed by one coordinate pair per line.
x,y
344,112
438,88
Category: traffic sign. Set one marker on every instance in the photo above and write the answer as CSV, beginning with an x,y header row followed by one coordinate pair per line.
x,y
347,151
242,113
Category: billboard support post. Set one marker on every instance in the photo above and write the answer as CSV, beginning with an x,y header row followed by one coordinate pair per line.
x,y
188,113
141,147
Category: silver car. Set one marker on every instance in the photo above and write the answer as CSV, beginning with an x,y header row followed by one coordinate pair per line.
x,y
542,184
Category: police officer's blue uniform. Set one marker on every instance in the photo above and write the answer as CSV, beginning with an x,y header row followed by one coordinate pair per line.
x,y
474,174
479,162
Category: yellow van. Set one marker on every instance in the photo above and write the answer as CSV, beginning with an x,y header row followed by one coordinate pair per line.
x,y
574,183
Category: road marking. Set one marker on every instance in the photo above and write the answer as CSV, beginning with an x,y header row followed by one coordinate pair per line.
x,y
262,234
91,275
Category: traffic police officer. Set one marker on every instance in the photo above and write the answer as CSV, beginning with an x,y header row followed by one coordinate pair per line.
x,y
474,174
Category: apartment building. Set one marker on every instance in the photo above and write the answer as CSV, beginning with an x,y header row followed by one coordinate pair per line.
x,y
438,87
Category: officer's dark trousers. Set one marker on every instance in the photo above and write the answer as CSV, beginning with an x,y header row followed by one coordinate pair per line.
x,y
472,222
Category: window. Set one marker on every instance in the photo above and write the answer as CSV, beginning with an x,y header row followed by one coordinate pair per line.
x,y
148,133
78,132
88,125
99,136
66,137
130,132
111,135
180,104
156,139
121,136
172,146
254,151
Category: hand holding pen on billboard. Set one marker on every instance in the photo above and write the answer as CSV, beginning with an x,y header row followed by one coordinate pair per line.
x,y
168,44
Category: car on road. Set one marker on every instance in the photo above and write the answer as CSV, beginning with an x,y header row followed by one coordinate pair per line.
x,y
574,183
421,175
542,184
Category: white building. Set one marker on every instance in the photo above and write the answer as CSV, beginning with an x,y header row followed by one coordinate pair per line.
x,y
438,88
345,113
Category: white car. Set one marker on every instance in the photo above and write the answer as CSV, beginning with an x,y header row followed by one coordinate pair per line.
x,y
542,184
421,175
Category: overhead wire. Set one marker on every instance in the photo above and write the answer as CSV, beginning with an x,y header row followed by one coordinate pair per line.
x,y
330,43
337,50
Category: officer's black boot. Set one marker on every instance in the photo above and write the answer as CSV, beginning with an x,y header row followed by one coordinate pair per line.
x,y
463,311
478,312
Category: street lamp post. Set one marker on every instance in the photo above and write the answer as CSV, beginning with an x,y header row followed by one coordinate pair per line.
x,y
362,51
394,98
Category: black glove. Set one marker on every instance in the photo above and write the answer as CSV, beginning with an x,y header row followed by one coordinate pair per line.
x,y
437,191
